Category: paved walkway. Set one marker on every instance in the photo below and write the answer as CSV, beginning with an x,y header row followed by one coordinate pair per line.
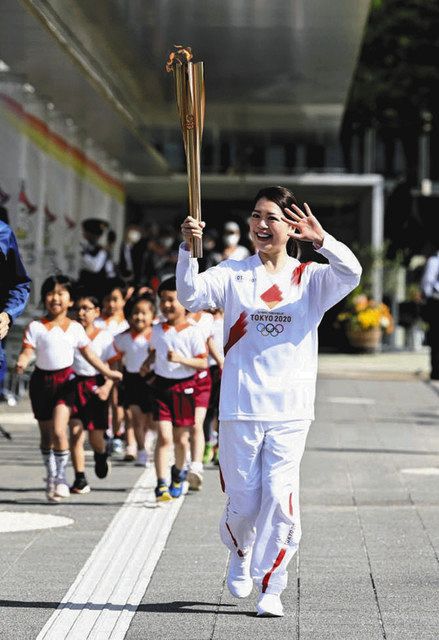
x,y
368,563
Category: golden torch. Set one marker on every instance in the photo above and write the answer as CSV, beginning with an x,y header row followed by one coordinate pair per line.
x,y
190,96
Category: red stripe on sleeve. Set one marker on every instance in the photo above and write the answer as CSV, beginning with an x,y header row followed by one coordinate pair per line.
x,y
297,273
237,331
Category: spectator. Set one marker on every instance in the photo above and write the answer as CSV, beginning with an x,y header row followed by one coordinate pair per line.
x,y
232,249
211,257
96,265
14,288
127,255
430,289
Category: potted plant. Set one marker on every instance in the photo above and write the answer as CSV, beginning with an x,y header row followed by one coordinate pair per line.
x,y
364,321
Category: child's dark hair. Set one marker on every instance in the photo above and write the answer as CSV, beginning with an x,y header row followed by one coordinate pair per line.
x,y
83,295
50,283
170,284
114,284
143,297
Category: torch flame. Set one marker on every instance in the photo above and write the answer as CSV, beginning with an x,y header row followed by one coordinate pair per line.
x,y
182,55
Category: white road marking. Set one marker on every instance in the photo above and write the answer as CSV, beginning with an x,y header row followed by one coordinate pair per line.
x,y
422,471
350,400
16,418
24,521
107,591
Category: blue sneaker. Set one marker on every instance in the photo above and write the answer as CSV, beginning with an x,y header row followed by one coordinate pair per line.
x,y
176,489
178,476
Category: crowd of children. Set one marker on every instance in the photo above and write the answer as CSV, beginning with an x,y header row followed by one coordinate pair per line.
x,y
136,371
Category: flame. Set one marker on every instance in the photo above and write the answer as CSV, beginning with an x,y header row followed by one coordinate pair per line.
x,y
181,56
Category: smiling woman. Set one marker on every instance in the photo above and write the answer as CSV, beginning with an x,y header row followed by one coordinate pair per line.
x,y
272,305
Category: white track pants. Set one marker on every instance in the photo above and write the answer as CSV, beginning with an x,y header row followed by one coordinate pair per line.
x,y
260,464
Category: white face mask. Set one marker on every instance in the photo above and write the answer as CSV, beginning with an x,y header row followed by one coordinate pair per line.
x,y
134,236
231,240
167,242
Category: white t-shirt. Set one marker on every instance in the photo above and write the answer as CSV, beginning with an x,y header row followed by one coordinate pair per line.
x,y
186,339
101,343
114,325
134,348
54,344
270,327
204,322
218,338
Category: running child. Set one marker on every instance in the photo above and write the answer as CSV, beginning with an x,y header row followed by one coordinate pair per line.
x,y
89,397
53,339
179,351
134,346
113,319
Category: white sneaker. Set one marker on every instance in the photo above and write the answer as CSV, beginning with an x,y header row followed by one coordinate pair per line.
x,y
117,446
142,458
269,606
62,489
239,581
195,480
50,490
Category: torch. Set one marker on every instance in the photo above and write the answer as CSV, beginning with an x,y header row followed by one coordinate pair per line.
x,y
190,96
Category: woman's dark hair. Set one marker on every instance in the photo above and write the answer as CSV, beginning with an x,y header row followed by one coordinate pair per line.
x,y
170,284
284,198
50,283
144,297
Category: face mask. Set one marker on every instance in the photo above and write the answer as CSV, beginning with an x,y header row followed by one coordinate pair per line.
x,y
134,236
231,240
167,242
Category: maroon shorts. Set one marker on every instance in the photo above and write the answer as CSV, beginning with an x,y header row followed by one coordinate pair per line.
x,y
47,389
136,391
85,404
203,388
175,400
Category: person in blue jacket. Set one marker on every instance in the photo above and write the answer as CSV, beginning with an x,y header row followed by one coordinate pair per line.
x,y
14,287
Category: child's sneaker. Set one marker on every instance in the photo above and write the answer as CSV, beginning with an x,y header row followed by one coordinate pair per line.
x,y
176,489
178,476
142,458
102,465
50,490
208,453
162,493
130,453
80,486
116,446
61,488
216,456
195,479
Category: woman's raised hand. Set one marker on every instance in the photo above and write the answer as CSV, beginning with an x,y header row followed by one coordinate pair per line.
x,y
191,228
305,225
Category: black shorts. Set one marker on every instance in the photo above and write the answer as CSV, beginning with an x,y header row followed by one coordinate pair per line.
x,y
136,391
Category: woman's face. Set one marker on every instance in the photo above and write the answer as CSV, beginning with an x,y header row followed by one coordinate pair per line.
x,y
268,231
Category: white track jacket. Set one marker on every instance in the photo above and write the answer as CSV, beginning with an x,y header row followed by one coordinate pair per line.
x,y
270,326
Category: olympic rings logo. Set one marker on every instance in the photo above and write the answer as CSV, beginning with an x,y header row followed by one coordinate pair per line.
x,y
270,329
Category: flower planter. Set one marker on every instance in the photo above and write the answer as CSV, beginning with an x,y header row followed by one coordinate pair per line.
x,y
365,340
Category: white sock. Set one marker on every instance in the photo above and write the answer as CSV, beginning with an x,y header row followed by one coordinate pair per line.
x,y
61,460
49,462
196,467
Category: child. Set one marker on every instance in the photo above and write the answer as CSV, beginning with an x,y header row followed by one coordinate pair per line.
x,y
90,393
113,319
204,322
179,351
113,303
133,346
216,361
54,339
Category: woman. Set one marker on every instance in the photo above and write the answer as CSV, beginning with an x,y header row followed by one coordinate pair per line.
x,y
272,305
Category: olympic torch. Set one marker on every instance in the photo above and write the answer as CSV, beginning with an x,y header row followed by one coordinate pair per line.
x,y
190,96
